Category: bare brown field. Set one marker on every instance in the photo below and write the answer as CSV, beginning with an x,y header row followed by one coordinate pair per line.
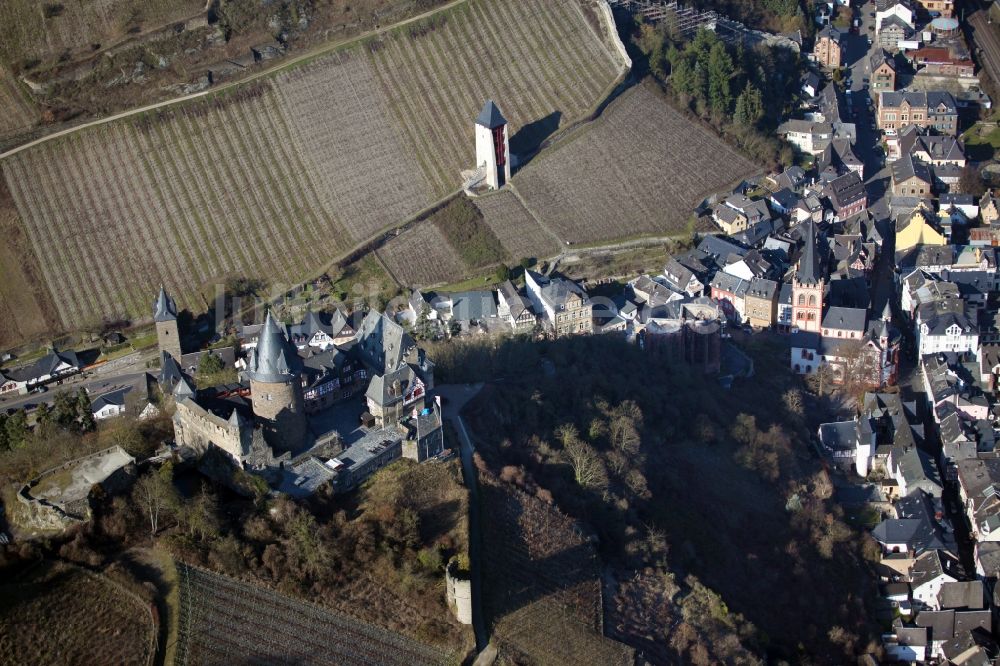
x,y
421,256
64,615
640,169
541,582
17,113
26,309
519,233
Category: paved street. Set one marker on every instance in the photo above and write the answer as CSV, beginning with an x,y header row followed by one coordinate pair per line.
x,y
95,385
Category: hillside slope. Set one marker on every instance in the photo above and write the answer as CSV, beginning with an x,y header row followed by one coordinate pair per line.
x,y
275,178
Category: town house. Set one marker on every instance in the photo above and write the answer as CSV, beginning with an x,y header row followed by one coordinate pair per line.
x,y
934,109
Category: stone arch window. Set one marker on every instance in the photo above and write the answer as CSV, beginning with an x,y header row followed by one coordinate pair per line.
x,y
812,299
802,299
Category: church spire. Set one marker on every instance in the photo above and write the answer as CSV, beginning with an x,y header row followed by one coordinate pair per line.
x,y
809,272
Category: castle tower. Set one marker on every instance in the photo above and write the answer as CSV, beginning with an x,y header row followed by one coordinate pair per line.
x,y
165,318
807,285
275,372
493,145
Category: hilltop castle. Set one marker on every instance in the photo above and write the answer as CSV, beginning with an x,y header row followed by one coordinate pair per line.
x,y
270,423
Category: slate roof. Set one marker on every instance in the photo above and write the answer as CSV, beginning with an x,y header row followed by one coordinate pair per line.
x,y
274,359
879,57
939,324
164,309
921,99
45,366
961,595
382,343
556,290
785,297
717,247
839,436
790,178
932,564
913,139
473,305
490,116
730,284
847,319
115,398
383,388
804,340
763,288
310,326
517,303
785,198
809,271
907,167
846,190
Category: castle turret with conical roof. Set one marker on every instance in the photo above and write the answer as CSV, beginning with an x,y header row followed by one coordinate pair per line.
x,y
275,373
493,145
165,319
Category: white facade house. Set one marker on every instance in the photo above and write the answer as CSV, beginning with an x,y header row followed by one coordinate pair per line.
x,y
947,332
493,146
514,308
930,571
109,405
900,10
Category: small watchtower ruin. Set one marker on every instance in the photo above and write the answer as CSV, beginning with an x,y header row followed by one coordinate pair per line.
x,y
493,146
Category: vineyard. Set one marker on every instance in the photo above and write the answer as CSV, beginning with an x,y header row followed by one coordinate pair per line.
x,y
58,614
421,256
541,582
223,621
638,170
536,58
274,179
519,233
18,113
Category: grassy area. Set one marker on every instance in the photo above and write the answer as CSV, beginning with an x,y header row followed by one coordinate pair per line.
x,y
471,284
58,614
463,225
626,263
364,279
981,142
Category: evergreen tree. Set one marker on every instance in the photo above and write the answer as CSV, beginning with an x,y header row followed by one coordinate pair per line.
x,y
16,429
65,410
720,68
749,106
42,414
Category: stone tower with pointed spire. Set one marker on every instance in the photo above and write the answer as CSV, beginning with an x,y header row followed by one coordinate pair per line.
x,y
275,373
493,145
165,319
808,284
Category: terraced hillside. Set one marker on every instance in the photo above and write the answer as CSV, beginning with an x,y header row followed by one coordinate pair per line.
x,y
60,614
223,621
275,178
17,112
41,31
640,169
